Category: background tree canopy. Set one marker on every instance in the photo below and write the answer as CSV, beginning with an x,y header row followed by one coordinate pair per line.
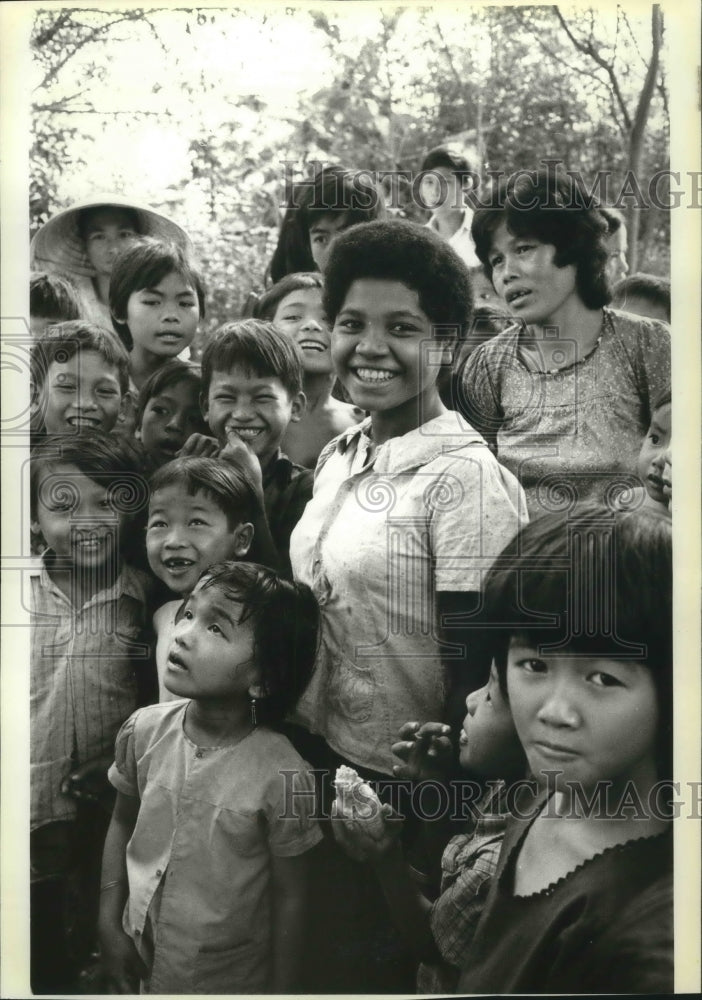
x,y
205,113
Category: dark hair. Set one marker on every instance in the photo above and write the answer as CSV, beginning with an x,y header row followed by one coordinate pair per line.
x,y
222,482
331,191
257,347
144,264
61,343
663,399
614,219
285,620
451,159
101,457
84,215
270,300
402,251
52,296
552,207
594,583
173,372
645,286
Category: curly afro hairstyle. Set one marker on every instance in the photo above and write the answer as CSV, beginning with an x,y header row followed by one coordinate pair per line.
x,y
552,207
402,251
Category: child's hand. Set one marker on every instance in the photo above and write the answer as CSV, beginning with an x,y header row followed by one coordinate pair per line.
x,y
89,783
425,750
121,962
354,837
239,453
200,446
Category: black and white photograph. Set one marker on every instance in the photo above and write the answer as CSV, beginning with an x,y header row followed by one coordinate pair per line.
x,y
350,604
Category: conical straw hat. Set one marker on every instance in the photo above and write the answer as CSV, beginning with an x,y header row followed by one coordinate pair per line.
x,y
58,245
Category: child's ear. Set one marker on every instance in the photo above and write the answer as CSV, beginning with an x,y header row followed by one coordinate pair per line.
x,y
243,536
299,405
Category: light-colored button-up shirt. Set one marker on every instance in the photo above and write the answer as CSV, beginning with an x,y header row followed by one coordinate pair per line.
x,y
84,664
379,539
199,860
461,241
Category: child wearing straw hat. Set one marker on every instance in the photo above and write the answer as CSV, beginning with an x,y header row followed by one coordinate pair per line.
x,y
82,241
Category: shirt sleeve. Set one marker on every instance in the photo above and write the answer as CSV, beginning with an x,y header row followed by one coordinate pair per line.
x,y
455,914
477,506
647,346
123,772
292,829
478,397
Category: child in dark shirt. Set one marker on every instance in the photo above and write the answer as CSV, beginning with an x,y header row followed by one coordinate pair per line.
x,y
251,391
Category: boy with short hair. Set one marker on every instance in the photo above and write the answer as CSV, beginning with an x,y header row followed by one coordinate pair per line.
x,y
80,379
446,179
90,668
251,391
52,299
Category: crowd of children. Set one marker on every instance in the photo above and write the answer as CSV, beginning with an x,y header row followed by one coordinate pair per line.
x,y
367,528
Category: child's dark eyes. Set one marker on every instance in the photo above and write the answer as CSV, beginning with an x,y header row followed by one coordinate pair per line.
x,y
197,522
532,665
265,399
654,439
156,524
159,411
216,629
601,679
348,325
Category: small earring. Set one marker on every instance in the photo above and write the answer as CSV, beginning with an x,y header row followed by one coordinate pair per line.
x,y
253,713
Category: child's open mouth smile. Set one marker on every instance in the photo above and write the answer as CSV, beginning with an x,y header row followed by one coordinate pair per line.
x,y
374,376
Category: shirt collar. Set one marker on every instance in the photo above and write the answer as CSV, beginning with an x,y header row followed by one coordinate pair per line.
x,y
446,433
130,583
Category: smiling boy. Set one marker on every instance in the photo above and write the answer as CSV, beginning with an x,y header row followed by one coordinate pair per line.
x,y
79,376
251,392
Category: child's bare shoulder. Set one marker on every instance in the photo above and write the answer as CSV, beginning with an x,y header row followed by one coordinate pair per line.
x,y
342,415
165,615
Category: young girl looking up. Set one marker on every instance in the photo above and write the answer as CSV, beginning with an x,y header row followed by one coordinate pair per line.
x,y
205,869
294,306
83,241
168,410
582,898
157,299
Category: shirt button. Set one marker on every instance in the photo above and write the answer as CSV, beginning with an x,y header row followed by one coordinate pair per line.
x,y
198,753
159,872
137,933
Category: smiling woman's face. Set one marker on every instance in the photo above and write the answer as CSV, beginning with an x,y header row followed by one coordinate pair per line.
x,y
381,345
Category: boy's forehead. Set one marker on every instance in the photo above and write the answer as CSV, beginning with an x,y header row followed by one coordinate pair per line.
x,y
302,297
85,360
241,377
183,497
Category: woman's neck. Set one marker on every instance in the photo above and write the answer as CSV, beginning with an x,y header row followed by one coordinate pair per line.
x,y
573,321
317,389
101,284
408,416
217,723
142,364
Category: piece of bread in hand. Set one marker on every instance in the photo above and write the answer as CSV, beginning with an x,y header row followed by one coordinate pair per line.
x,y
356,802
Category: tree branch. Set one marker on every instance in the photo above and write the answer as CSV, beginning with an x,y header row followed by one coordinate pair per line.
x,y
588,48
